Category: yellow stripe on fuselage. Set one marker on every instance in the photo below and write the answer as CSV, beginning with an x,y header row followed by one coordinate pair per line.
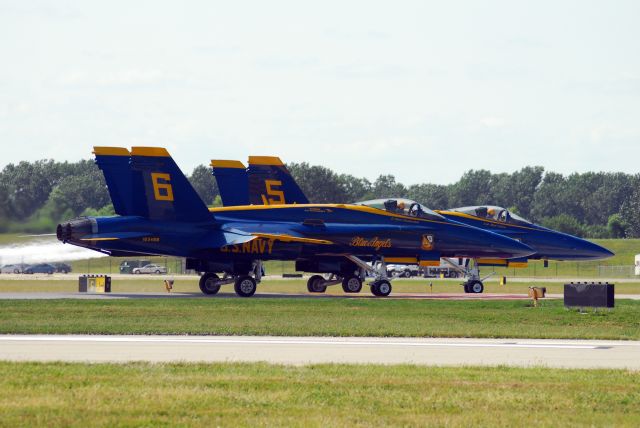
x,y
427,263
265,160
219,163
110,151
408,260
361,208
158,152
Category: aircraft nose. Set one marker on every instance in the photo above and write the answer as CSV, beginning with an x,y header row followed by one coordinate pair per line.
x,y
587,250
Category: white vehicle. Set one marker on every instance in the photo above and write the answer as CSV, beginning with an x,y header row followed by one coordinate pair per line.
x,y
638,264
403,271
152,268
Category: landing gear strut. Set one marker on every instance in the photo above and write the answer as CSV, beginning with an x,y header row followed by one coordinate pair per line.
x,y
474,283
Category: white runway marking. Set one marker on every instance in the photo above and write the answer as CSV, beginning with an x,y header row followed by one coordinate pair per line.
x,y
276,341
314,350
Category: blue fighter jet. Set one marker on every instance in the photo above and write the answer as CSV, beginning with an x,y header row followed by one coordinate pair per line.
x,y
269,174
159,213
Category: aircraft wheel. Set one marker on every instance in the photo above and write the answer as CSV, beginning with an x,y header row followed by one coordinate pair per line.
x,y
314,284
245,286
476,287
209,283
381,288
406,274
351,284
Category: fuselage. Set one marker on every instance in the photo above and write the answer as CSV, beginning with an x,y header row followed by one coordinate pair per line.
x,y
344,229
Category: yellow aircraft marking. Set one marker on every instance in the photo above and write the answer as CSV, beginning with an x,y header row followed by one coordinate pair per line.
x,y
290,238
265,160
409,260
99,239
110,151
361,208
219,163
150,151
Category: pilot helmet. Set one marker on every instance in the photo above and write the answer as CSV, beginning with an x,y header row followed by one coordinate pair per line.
x,y
400,205
491,211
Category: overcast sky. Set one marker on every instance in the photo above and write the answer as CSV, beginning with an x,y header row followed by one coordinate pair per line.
x,y
421,90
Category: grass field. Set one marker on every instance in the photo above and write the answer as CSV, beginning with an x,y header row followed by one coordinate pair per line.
x,y
318,317
323,395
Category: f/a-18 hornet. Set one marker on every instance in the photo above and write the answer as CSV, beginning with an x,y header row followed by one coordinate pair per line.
x,y
159,213
267,181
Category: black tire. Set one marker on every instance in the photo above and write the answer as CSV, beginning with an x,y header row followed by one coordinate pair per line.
x,y
50,272
157,272
208,283
245,286
351,284
313,284
406,274
64,271
381,288
16,271
476,287
136,272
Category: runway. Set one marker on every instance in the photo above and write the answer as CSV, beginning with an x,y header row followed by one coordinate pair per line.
x,y
314,350
271,295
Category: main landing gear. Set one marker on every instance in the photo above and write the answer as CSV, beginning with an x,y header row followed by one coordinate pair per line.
x,y
244,285
474,283
381,285
350,283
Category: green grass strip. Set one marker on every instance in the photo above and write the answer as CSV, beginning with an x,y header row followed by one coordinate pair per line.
x,y
318,317
141,394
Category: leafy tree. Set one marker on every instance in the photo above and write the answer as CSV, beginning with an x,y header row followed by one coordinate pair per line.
x,y
630,213
76,193
564,223
204,183
433,196
616,226
474,188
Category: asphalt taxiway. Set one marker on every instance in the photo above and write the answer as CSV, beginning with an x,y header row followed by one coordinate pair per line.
x,y
314,350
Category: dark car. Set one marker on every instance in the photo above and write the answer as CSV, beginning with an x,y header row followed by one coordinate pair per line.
x,y
15,268
40,268
62,267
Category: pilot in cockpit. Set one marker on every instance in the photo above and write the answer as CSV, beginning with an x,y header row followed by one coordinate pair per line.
x,y
481,212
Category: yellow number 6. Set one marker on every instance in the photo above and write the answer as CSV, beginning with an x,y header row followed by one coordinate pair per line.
x,y
167,195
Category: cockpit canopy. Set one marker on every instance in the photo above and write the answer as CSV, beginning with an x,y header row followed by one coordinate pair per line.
x,y
492,212
402,206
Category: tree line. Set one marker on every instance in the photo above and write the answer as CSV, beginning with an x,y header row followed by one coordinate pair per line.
x,y
35,196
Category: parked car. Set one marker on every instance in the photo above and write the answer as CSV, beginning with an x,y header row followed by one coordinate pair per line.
x,y
40,268
152,268
62,267
404,271
127,266
14,268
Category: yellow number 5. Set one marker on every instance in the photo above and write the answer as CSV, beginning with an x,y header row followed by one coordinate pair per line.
x,y
279,194
164,186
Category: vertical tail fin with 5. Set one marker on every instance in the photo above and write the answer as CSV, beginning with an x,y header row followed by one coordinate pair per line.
x,y
270,183
233,182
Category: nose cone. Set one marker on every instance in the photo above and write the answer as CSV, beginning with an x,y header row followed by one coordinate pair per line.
x,y
586,250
